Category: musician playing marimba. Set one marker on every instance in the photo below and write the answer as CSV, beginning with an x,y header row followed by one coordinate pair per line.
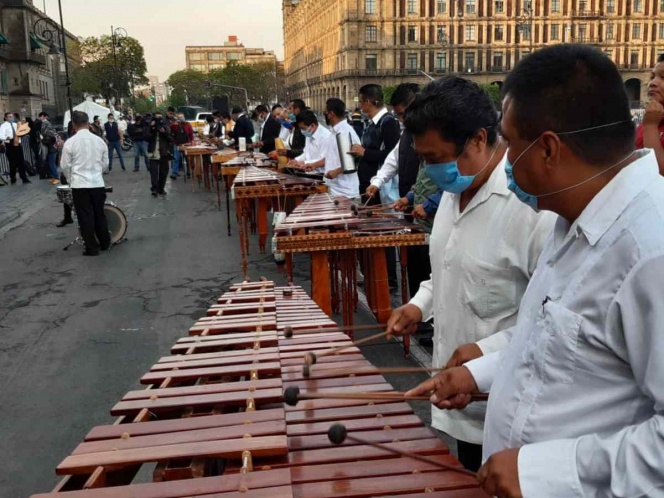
x,y
576,406
484,243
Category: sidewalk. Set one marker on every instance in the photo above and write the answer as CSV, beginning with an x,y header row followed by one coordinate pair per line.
x,y
21,200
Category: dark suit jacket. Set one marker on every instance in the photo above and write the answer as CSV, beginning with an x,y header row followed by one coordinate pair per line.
x,y
269,133
243,128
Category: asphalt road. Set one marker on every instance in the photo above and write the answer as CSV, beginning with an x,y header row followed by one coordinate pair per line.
x,y
76,333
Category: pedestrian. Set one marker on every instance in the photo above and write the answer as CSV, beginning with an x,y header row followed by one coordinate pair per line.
x,y
160,145
356,121
95,128
138,133
244,128
13,149
84,158
123,125
50,153
35,146
183,134
650,133
269,130
114,138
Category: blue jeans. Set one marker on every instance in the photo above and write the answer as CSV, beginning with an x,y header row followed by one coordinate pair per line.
x,y
117,147
177,160
141,149
52,166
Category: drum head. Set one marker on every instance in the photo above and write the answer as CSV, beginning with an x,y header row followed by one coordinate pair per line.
x,y
117,222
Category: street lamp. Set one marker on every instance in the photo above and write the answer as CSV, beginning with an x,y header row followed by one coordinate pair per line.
x,y
524,22
118,35
48,32
446,43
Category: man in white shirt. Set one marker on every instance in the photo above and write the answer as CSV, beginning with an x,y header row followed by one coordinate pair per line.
x,y
484,244
84,159
14,152
316,143
340,183
576,398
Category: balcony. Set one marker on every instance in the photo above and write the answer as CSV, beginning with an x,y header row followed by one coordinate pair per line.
x,y
442,70
586,40
634,67
24,56
498,69
587,14
470,69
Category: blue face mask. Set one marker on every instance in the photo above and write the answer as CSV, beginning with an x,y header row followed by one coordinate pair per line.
x,y
288,125
532,200
448,178
292,117
308,133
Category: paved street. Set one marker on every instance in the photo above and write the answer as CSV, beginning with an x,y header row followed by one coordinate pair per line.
x,y
76,333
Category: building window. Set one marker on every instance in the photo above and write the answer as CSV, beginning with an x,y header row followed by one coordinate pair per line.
x,y
525,32
555,5
470,62
215,56
412,61
196,56
610,6
371,34
4,82
412,33
197,67
555,32
470,32
499,6
470,6
412,6
498,32
371,62
442,6
661,6
638,6
636,31
634,58
442,36
609,31
581,32
441,61
661,31
212,67
369,6
234,56
498,61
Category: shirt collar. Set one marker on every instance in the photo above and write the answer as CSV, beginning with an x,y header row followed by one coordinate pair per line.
x,y
318,134
608,205
337,127
378,116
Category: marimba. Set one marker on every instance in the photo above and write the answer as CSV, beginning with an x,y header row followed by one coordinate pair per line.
x,y
255,191
211,421
334,231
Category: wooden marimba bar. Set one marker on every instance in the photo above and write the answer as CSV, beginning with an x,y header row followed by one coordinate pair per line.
x,y
256,190
336,233
212,422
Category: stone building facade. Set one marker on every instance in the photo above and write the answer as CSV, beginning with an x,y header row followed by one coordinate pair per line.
x,y
333,47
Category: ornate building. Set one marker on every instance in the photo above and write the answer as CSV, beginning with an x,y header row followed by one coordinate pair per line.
x,y
333,47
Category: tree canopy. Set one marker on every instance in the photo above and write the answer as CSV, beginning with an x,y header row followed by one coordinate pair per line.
x,y
108,73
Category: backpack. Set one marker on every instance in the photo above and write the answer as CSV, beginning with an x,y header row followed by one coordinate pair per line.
x,y
181,137
49,138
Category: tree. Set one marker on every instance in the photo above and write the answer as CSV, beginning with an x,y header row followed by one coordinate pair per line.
x,y
108,72
188,86
388,91
494,93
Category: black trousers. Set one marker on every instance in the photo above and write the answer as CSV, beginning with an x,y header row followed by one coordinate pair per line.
x,y
419,267
16,162
470,455
158,174
89,205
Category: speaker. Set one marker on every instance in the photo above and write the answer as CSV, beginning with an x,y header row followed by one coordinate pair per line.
x,y
221,103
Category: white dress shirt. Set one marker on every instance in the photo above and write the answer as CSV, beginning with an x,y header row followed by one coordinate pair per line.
x,y
343,127
346,184
380,114
84,160
481,262
315,147
388,170
284,135
7,131
580,387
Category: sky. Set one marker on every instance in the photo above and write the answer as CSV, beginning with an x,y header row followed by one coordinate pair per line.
x,y
165,27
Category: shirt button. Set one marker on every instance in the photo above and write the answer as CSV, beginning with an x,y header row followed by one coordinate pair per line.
x,y
550,264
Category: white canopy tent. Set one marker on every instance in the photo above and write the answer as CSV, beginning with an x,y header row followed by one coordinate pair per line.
x,y
91,109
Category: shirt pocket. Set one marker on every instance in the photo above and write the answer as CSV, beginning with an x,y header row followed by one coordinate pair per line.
x,y
488,290
562,328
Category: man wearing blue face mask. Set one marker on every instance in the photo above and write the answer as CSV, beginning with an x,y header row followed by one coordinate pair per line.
x,y
576,397
484,243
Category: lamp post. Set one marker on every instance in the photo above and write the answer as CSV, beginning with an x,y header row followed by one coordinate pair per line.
x,y
48,32
524,22
446,43
118,35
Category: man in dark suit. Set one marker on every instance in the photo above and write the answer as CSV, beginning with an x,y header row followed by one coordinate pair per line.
x,y
270,129
243,127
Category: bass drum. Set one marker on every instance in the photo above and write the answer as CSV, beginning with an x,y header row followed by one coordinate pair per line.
x,y
117,222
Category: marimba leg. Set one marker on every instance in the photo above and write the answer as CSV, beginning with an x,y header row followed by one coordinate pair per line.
x,y
375,278
227,188
320,281
262,223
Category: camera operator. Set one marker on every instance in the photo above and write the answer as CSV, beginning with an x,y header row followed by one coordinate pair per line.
x,y
160,145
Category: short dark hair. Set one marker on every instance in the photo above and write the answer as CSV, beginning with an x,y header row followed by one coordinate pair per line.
x,y
336,106
277,106
660,58
307,117
171,109
111,115
569,87
404,94
299,103
262,108
210,119
373,93
225,115
456,107
80,118
216,114
237,110
8,114
43,114
17,115
95,118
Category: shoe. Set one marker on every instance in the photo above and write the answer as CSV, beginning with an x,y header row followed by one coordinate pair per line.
x,y
154,194
174,177
55,182
89,253
13,181
135,171
105,172
64,223
124,169
28,181
427,342
163,193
